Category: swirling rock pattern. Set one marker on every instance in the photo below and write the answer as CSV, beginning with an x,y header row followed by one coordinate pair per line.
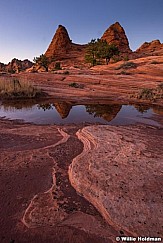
x,y
119,172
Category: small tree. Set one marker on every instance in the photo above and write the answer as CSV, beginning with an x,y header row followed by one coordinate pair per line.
x,y
109,51
57,66
100,49
91,52
43,61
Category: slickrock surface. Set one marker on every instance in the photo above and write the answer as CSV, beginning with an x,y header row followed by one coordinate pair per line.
x,y
120,173
102,81
38,203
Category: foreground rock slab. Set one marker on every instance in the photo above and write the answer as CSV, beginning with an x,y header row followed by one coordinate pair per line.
x,y
38,203
120,173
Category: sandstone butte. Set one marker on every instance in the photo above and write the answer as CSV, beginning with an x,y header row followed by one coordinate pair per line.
x,y
61,47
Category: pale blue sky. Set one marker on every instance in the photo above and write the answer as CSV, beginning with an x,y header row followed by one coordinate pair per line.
x,y
27,27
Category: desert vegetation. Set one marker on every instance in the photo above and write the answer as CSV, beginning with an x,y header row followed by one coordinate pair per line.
x,y
151,94
76,85
127,65
98,50
57,66
43,61
15,88
154,62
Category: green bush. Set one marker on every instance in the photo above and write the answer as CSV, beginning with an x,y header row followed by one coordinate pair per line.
x,y
126,58
151,94
57,66
43,61
116,59
146,94
76,85
66,72
123,73
160,86
154,62
127,65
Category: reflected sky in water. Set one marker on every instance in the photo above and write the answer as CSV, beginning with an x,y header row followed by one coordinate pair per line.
x,y
66,113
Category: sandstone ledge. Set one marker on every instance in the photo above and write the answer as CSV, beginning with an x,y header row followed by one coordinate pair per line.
x,y
119,172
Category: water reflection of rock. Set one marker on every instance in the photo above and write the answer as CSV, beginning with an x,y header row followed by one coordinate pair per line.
x,y
107,112
63,108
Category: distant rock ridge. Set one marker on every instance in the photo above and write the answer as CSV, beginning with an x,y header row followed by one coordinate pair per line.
x,y
63,49
16,65
115,34
149,48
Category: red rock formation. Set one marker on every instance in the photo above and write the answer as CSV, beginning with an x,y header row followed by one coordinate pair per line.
x,y
61,47
151,48
2,67
115,34
16,65
60,43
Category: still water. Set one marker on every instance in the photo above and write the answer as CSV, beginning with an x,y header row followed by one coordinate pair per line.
x,y
66,113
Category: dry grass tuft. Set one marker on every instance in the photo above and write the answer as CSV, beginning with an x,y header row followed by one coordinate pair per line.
x,y
11,88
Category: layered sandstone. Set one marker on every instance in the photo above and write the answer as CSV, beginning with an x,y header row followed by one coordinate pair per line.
x,y
61,47
16,65
119,172
151,48
37,200
115,34
60,43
